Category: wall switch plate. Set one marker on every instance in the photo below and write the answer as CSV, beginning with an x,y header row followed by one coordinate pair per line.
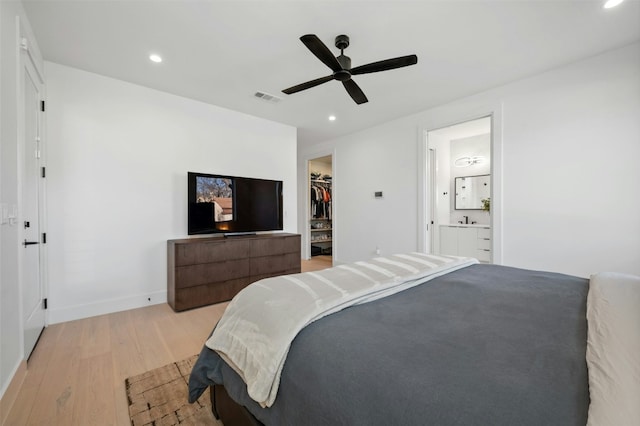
x,y
5,213
13,214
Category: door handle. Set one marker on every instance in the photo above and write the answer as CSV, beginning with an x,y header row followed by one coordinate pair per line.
x,y
28,243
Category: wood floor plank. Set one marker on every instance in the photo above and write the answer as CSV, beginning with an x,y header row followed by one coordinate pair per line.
x,y
95,338
128,360
128,354
150,338
53,396
36,368
96,404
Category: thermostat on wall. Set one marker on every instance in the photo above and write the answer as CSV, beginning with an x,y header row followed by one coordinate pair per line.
x,y
378,194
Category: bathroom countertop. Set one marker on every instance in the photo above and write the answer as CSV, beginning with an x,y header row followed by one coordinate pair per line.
x,y
469,225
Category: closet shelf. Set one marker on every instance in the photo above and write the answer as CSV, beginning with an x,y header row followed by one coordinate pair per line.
x,y
321,229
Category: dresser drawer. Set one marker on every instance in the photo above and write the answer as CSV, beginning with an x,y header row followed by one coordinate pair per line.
x,y
192,275
206,252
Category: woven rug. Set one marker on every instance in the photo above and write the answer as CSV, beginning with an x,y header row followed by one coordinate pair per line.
x,y
159,397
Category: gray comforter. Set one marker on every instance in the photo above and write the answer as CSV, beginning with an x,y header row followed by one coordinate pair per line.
x,y
485,345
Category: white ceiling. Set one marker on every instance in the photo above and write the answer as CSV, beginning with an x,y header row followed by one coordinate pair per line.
x,y
222,52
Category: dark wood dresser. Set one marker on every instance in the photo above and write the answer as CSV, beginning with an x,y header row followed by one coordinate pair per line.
x,y
203,271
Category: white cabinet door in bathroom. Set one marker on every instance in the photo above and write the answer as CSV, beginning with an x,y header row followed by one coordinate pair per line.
x,y
448,240
467,242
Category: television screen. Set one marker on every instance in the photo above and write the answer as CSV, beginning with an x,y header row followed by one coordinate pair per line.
x,y
230,204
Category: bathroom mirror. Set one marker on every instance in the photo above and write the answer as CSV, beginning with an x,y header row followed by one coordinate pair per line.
x,y
470,190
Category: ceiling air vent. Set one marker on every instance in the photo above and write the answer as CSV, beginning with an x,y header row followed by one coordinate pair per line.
x,y
267,97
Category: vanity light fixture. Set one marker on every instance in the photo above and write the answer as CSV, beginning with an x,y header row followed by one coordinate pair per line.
x,y
612,3
332,118
155,58
468,161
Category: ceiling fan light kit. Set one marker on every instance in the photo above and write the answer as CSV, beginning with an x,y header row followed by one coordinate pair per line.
x,y
341,66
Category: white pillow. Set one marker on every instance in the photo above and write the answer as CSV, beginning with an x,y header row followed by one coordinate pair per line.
x,y
613,349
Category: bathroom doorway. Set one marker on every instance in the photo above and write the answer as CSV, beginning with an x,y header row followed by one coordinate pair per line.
x,y
459,189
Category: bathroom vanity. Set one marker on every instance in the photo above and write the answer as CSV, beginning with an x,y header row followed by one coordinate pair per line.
x,y
466,240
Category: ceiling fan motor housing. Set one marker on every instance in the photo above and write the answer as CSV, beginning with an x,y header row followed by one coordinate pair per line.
x,y
342,41
344,61
342,75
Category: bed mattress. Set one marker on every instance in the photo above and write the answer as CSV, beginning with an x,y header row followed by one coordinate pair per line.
x,y
485,344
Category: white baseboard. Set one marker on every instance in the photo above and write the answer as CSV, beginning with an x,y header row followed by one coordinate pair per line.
x,y
10,389
102,307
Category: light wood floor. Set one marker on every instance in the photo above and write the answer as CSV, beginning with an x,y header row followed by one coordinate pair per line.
x,y
76,374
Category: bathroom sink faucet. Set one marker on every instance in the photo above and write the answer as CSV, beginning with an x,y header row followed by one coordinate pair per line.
x,y
466,219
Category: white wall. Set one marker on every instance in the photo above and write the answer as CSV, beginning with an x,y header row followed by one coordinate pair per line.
x,y
117,179
323,167
567,151
377,159
571,149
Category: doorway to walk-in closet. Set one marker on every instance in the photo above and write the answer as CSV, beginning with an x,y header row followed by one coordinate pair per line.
x,y
459,185
320,236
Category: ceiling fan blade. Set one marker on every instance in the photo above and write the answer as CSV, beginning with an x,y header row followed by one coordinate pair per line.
x,y
387,64
322,52
355,92
307,85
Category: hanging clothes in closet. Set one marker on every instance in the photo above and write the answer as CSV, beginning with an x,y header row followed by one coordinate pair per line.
x,y
321,200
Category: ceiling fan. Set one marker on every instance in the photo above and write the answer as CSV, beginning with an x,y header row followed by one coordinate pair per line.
x,y
341,66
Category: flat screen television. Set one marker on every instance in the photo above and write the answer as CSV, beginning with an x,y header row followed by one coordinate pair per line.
x,y
233,205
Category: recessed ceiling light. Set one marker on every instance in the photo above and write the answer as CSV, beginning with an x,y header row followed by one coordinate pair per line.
x,y
155,58
332,118
612,3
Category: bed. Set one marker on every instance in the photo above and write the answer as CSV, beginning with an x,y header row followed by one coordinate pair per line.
x,y
475,344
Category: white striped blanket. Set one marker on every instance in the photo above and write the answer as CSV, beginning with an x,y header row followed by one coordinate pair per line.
x,y
257,328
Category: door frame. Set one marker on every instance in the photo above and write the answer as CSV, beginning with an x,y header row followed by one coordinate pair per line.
x,y
447,117
431,208
306,249
29,56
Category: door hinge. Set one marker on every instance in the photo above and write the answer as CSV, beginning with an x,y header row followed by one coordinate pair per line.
x,y
42,106
44,173
44,238
44,303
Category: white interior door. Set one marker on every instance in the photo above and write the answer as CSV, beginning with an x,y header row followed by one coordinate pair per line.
x,y
31,273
